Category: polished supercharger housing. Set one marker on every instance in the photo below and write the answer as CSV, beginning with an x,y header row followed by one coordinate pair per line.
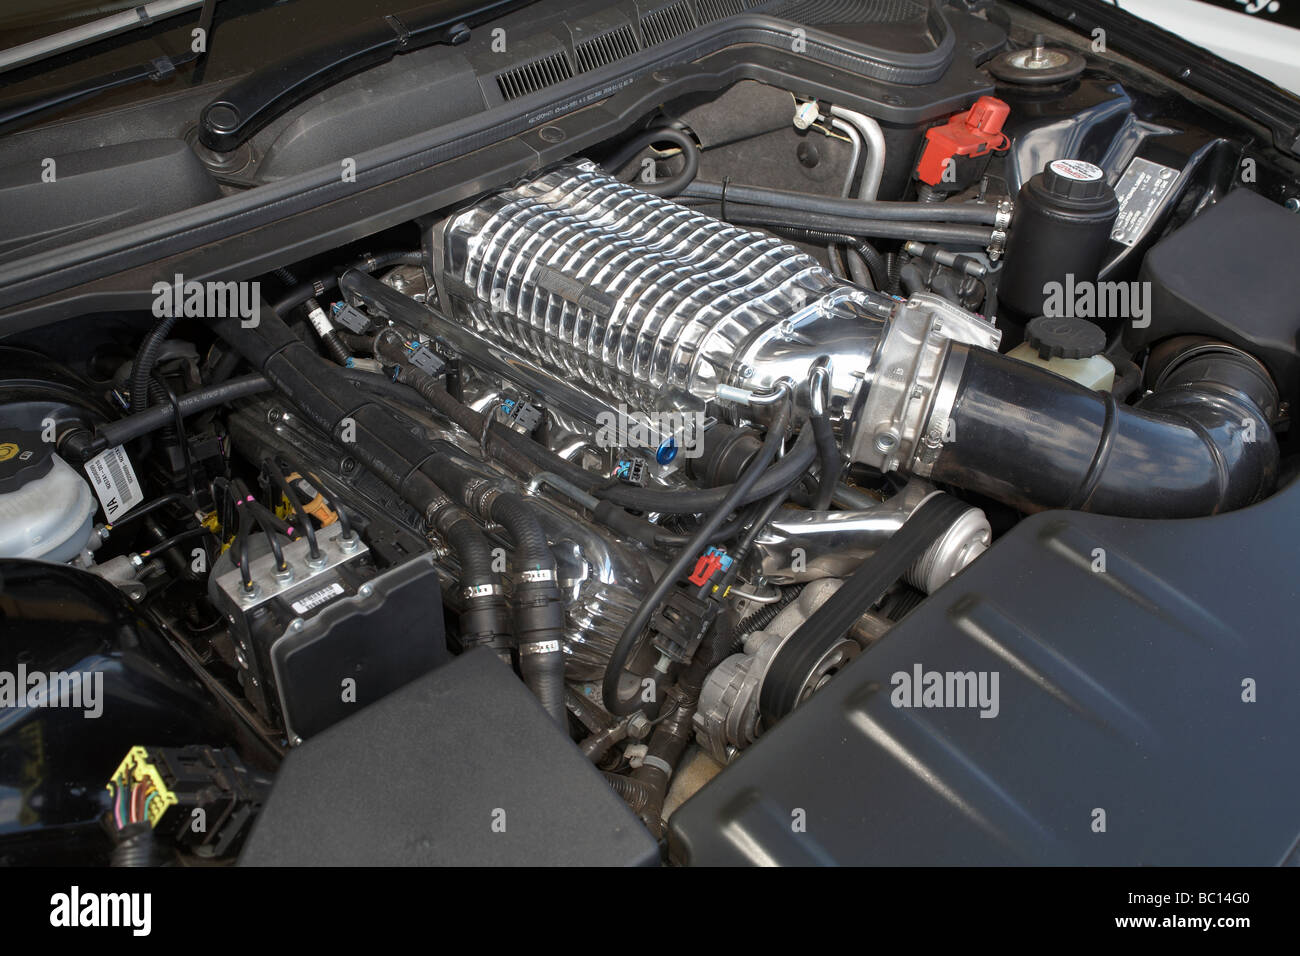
x,y
647,303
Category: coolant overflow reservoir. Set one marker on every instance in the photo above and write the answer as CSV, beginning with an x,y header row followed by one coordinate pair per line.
x,y
1068,347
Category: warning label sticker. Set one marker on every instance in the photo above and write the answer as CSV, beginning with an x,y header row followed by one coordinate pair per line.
x,y
114,481
1143,191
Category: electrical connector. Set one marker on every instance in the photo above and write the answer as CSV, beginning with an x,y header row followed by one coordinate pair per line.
x,y
202,798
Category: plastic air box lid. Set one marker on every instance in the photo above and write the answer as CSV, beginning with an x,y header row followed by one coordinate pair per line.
x,y
461,767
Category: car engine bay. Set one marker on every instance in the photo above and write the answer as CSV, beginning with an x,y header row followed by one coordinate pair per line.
x,y
560,494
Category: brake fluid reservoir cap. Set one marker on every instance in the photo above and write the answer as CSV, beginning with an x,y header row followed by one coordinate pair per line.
x,y
1061,337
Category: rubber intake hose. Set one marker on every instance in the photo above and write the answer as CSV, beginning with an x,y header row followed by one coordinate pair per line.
x,y
1200,444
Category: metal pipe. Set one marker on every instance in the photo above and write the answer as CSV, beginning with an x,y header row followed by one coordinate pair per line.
x,y
809,545
855,138
873,168
565,487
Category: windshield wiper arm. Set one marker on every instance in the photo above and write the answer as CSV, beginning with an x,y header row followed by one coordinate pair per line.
x,y
254,101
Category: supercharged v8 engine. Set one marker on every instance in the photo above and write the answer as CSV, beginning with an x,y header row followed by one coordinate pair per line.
x,y
801,398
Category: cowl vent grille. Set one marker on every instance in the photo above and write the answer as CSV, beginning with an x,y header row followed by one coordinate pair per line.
x,y
667,22
711,10
533,76
605,49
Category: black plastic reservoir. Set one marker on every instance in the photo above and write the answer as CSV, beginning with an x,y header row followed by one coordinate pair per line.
x,y
1062,223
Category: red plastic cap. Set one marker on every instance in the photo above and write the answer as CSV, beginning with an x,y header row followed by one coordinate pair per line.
x,y
973,133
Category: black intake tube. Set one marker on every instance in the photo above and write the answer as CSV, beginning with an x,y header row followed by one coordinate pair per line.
x,y
1200,444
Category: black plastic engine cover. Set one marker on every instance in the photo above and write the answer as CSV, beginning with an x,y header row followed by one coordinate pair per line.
x,y
461,767
1146,685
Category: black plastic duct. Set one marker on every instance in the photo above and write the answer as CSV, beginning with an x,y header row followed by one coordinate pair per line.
x,y
1199,444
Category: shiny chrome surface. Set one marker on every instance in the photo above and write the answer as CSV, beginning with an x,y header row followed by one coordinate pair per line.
x,y
908,377
644,301
811,545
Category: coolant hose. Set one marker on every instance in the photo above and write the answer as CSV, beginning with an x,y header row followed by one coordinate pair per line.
x,y
483,619
297,294
1199,444
931,231
538,606
674,184
875,262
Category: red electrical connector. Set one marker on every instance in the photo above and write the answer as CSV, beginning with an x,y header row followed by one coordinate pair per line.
x,y
972,134
705,567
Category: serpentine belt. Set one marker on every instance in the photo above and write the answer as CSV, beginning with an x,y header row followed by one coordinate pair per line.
x,y
790,668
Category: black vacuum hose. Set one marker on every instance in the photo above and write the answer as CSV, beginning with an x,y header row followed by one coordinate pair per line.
x,y
298,294
674,184
875,262
974,213
766,216
145,357
631,635
82,445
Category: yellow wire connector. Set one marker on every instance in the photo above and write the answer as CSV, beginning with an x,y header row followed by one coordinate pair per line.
x,y
136,767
